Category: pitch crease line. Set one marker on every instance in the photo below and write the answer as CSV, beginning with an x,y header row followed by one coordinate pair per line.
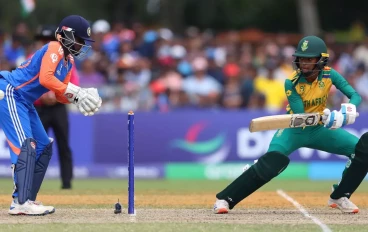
x,y
323,226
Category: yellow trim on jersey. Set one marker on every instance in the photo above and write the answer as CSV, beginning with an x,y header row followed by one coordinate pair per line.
x,y
294,76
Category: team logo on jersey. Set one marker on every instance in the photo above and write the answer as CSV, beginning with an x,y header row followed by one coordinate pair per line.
x,y
304,45
302,89
288,93
54,57
321,84
89,31
60,50
59,70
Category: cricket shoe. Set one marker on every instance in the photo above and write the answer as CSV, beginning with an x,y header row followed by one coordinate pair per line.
x,y
28,208
51,209
221,207
333,188
344,204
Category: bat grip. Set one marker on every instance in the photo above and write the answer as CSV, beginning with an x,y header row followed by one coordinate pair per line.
x,y
320,116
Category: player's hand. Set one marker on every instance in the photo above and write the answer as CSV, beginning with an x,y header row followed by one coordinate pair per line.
x,y
333,120
94,101
90,103
326,113
349,112
87,101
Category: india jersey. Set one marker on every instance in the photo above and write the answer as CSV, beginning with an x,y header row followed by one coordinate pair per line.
x,y
306,97
45,70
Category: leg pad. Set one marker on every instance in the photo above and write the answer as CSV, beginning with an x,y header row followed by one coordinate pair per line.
x,y
24,169
40,170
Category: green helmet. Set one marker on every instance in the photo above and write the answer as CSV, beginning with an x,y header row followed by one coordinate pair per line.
x,y
310,47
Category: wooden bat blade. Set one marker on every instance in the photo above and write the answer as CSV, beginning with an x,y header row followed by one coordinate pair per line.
x,y
270,123
284,121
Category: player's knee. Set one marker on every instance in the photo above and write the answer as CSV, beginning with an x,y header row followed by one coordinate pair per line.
x,y
271,164
29,144
47,151
361,150
45,147
27,152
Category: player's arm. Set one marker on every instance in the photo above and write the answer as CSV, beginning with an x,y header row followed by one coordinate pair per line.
x,y
347,113
49,63
72,76
61,97
341,84
88,101
294,99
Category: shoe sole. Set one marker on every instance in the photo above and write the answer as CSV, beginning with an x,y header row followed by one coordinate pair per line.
x,y
52,211
222,211
335,206
26,214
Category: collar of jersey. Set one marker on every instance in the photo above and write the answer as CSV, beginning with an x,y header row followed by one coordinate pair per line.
x,y
303,80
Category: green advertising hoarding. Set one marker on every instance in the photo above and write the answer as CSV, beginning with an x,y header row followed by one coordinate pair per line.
x,y
225,171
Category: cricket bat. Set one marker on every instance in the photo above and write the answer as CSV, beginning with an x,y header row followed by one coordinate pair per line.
x,y
284,121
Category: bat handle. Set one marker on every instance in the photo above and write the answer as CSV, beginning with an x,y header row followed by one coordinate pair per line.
x,y
357,115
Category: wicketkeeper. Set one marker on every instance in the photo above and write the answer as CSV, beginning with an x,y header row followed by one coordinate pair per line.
x,y
49,69
307,91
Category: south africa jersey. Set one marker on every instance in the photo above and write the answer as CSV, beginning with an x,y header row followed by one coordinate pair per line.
x,y
306,97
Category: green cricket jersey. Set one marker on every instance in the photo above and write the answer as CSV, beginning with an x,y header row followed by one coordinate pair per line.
x,y
305,97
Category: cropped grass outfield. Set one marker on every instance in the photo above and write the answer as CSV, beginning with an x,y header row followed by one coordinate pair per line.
x,y
91,202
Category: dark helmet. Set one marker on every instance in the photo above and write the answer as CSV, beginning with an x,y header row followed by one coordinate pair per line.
x,y
45,32
70,29
310,47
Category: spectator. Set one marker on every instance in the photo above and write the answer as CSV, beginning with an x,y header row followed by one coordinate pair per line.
x,y
231,96
139,73
202,89
272,89
127,62
247,85
14,50
216,71
88,75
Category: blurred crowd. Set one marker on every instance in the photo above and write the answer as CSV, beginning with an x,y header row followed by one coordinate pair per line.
x,y
156,70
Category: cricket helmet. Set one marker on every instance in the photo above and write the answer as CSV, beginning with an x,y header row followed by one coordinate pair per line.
x,y
311,47
74,30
